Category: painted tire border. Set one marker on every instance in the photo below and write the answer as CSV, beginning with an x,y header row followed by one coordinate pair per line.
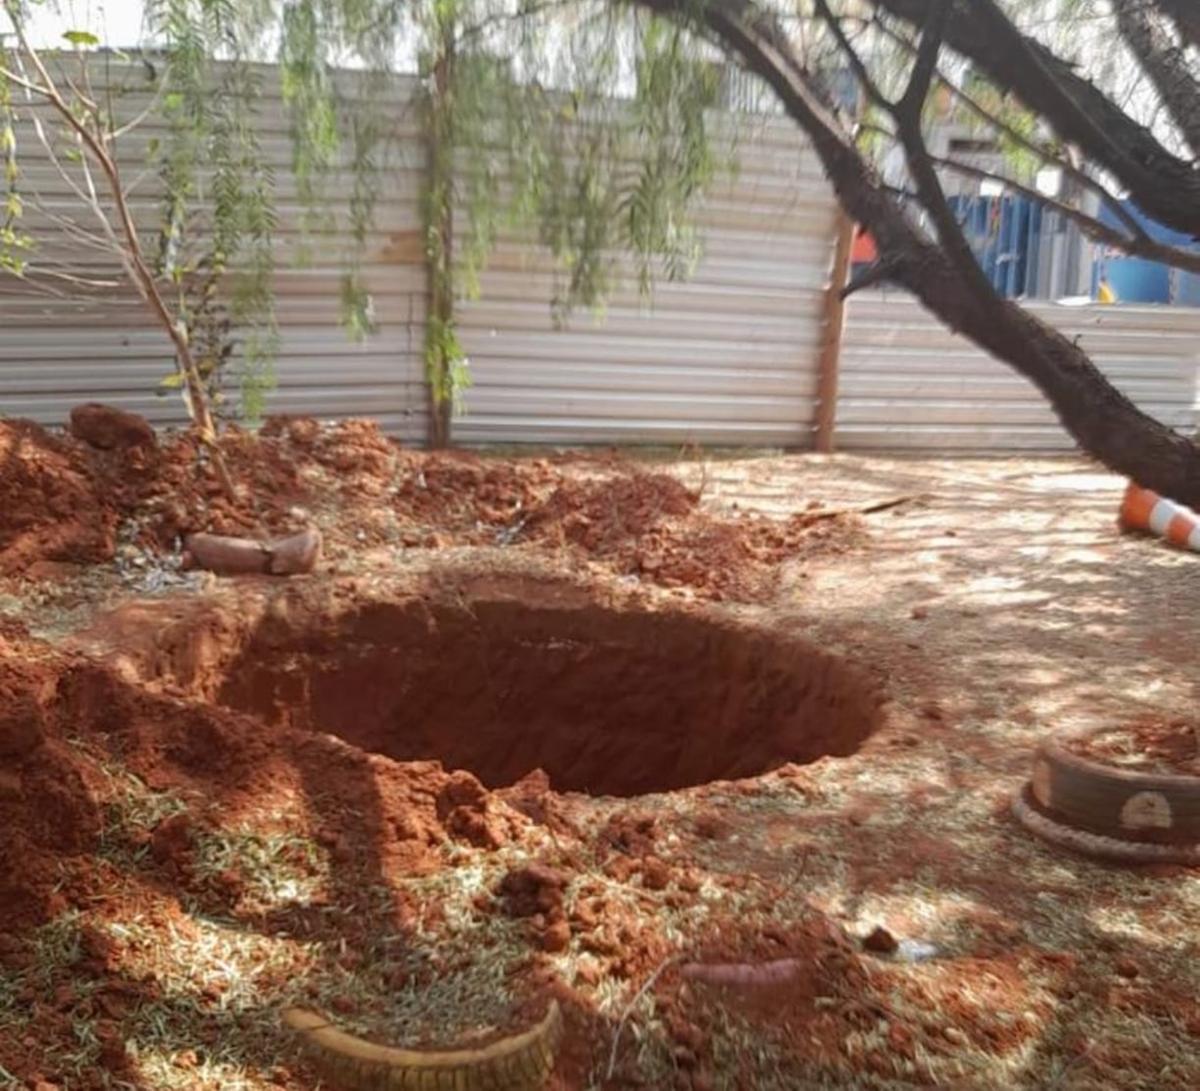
x,y
1113,813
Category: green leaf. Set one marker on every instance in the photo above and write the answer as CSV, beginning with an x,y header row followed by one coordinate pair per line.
x,y
81,37
172,382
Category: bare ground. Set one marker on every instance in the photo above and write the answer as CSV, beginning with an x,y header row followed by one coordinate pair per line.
x,y
998,603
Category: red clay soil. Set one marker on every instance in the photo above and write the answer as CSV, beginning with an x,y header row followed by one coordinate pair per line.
x,y
63,501
78,724
173,871
52,507
1150,744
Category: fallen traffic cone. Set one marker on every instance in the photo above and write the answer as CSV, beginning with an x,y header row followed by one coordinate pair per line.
x,y
1142,509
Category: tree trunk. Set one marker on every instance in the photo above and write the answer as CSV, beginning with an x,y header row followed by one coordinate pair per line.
x,y
1104,422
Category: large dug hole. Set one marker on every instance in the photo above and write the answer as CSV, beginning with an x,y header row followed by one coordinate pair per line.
x,y
604,701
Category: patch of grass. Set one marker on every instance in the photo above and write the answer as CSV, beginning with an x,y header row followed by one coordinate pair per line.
x,y
131,809
274,869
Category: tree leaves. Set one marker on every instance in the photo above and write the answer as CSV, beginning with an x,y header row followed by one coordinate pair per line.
x,y
81,38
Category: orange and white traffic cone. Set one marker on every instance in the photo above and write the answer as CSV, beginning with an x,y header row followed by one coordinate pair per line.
x,y
1142,509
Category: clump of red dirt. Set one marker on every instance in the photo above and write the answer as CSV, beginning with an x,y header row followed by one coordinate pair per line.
x,y
52,506
602,516
650,525
279,475
68,719
1148,744
457,497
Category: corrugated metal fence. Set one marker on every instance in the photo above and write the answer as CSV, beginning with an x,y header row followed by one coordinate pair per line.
x,y
729,357
57,352
909,383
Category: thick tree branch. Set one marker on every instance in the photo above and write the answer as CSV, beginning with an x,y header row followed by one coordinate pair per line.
x,y
1165,63
1020,140
1101,419
1141,247
1163,185
1186,16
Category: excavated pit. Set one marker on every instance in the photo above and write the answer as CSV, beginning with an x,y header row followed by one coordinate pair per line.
x,y
605,701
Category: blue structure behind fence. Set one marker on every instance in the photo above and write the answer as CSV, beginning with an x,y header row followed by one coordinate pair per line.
x,y
1004,232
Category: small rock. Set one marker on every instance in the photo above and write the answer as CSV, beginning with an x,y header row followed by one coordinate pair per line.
x,y
461,789
916,950
109,428
1126,967
171,842
530,890
655,874
556,937
881,941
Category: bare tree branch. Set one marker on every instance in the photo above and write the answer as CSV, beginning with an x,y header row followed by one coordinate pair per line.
x,y
1165,63
861,72
1162,184
1141,247
1101,419
907,114
1019,139
129,250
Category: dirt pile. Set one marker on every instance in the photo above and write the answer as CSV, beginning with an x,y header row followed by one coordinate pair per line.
x,y
603,516
652,526
1148,744
459,497
96,770
52,505
63,500
67,501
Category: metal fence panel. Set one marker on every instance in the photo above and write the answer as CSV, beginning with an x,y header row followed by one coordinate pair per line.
x,y
728,356
909,383
55,353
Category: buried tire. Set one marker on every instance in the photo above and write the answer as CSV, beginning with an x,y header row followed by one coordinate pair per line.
x,y
1111,813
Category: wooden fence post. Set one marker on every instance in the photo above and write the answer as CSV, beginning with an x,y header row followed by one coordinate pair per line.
x,y
831,346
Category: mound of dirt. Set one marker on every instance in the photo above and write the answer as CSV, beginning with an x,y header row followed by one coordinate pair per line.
x,y
84,752
1149,744
51,501
603,516
66,501
462,497
650,525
